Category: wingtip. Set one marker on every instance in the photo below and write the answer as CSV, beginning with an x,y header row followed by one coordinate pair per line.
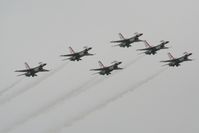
x,y
114,45
164,65
65,59
94,73
141,53
62,55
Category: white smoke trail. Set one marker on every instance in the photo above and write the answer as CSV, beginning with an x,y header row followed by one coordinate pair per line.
x,y
105,102
134,61
11,86
74,92
86,85
32,84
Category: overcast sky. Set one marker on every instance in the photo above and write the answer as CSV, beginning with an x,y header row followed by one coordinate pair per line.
x,y
40,30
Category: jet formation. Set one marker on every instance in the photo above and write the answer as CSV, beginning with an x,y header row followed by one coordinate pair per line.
x,y
106,70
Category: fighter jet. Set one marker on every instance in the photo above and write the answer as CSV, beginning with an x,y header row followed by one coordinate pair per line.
x,y
153,49
106,70
126,42
176,61
76,56
32,71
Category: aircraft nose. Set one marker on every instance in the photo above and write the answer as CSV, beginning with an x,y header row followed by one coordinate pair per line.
x,y
141,34
190,54
167,41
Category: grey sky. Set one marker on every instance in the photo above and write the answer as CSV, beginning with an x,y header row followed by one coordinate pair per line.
x,y
41,30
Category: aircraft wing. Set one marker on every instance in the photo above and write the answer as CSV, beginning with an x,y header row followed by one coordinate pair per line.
x,y
68,55
169,60
27,70
66,59
117,45
144,49
21,74
98,69
118,41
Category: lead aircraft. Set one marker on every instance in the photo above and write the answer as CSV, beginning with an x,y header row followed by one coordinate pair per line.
x,y
126,42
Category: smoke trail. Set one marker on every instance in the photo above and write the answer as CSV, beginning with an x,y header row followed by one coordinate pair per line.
x,y
105,102
134,61
89,83
11,86
32,84
74,92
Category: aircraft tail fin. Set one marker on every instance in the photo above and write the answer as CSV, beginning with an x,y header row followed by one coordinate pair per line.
x,y
121,36
71,50
185,53
147,45
100,64
27,66
170,56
